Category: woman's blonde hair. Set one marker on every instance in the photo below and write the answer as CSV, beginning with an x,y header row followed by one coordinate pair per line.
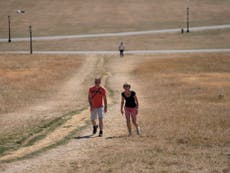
x,y
126,85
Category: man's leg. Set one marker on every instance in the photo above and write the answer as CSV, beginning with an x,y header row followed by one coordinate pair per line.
x,y
100,116
94,123
95,126
93,120
101,126
101,123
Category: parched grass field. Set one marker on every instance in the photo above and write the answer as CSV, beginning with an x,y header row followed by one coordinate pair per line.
x,y
28,83
184,116
190,96
28,79
99,16
184,99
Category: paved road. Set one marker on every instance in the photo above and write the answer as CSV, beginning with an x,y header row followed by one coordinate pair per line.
x,y
141,52
192,29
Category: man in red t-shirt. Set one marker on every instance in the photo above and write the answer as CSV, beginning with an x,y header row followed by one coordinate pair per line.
x,y
96,97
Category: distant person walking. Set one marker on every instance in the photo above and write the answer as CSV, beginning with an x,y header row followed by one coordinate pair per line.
x,y
96,97
121,49
129,104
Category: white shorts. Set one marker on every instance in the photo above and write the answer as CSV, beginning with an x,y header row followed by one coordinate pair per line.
x,y
97,112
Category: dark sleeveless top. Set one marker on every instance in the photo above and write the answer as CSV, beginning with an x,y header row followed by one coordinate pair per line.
x,y
129,101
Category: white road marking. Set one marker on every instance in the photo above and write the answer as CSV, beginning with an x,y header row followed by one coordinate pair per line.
x,y
141,52
43,38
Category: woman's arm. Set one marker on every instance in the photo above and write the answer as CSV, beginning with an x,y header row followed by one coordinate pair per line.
x,y
122,104
136,100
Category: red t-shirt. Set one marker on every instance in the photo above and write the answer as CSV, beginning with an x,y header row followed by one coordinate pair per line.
x,y
97,95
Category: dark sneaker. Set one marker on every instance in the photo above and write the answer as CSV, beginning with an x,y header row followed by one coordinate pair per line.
x,y
100,133
95,129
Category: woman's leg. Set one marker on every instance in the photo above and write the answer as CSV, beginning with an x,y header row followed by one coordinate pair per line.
x,y
134,120
128,124
128,114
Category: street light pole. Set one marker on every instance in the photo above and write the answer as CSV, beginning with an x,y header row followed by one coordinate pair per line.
x,y
31,46
187,19
9,40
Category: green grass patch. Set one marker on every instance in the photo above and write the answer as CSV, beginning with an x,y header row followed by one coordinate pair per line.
x,y
2,149
14,142
65,140
35,139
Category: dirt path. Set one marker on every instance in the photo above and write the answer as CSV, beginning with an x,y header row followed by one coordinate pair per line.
x,y
63,102
74,85
67,158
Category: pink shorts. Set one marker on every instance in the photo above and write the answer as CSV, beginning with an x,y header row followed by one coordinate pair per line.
x,y
130,112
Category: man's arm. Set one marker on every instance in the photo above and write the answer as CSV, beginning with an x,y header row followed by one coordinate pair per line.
x,y
105,103
90,101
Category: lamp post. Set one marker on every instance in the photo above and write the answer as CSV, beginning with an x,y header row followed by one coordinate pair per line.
x,y
187,19
188,4
9,39
9,24
31,46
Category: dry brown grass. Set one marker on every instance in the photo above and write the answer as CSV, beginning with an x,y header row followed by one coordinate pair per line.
x,y
93,16
185,124
43,111
182,106
26,79
29,86
187,96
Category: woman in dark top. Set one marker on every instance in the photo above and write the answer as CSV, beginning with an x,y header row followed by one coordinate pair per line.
x,y
129,99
